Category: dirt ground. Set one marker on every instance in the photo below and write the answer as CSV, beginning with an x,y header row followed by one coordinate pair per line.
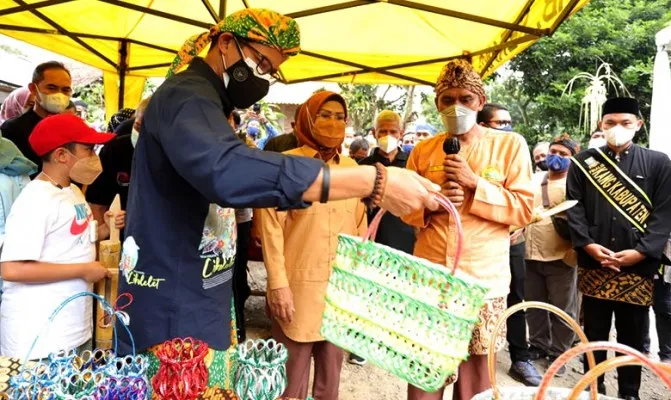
x,y
360,383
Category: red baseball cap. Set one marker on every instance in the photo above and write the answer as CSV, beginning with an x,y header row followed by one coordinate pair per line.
x,y
58,130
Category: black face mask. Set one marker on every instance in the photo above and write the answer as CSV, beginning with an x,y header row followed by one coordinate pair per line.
x,y
244,88
542,165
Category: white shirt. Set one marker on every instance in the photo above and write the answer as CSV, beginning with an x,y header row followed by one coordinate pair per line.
x,y
50,225
10,187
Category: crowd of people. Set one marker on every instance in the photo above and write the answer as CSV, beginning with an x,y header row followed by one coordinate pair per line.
x,y
209,183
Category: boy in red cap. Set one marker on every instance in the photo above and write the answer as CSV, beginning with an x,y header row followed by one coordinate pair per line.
x,y
49,250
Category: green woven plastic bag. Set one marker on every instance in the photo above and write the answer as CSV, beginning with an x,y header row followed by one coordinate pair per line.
x,y
410,317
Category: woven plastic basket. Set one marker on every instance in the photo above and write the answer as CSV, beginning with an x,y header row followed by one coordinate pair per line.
x,y
411,317
262,373
93,375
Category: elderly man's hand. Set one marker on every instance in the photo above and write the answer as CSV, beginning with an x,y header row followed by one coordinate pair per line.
x,y
454,192
458,170
281,304
407,192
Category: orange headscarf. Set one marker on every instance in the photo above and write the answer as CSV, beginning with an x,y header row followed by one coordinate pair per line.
x,y
307,114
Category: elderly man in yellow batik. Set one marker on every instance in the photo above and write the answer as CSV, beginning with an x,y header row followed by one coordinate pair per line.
x,y
489,180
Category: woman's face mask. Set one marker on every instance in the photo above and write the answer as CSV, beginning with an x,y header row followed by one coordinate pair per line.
x,y
328,133
328,129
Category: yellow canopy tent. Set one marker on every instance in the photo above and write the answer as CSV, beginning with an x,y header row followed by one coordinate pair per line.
x,y
360,41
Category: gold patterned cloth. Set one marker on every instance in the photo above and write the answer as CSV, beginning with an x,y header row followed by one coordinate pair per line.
x,y
483,333
217,393
622,286
266,27
460,74
8,367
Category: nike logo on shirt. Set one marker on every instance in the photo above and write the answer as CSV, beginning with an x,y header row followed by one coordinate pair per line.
x,y
77,228
81,212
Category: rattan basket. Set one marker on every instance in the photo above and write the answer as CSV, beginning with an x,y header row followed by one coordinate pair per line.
x,y
545,391
411,317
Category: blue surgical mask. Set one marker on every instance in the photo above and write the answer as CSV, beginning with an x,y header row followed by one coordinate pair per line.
x,y
407,148
507,128
557,163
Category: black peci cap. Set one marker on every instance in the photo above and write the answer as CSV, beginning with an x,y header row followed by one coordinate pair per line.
x,y
621,105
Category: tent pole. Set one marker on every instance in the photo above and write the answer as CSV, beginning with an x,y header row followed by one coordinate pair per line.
x,y
34,6
222,9
210,10
123,67
506,36
65,32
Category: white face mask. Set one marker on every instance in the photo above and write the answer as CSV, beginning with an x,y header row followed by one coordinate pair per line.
x,y
387,143
134,136
597,142
619,135
458,119
54,103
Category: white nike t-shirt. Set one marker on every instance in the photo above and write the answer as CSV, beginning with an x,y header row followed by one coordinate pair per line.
x,y
51,225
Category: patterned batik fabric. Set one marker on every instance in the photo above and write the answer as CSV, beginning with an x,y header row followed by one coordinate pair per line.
x,y
266,27
483,333
9,367
607,284
460,74
217,393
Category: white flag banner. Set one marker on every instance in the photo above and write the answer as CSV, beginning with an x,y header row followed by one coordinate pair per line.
x,y
660,139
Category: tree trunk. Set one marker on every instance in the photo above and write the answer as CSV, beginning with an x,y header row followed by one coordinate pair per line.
x,y
409,103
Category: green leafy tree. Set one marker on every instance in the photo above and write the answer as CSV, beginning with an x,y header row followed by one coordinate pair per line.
x,y
12,50
94,95
365,101
429,111
618,32
525,112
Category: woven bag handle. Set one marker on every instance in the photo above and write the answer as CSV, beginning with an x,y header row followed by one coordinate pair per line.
x,y
104,304
491,360
589,348
610,364
443,202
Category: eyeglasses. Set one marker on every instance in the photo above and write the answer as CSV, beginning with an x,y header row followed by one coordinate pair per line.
x,y
263,66
501,123
340,117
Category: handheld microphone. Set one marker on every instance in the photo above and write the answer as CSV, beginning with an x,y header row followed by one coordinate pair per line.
x,y
451,145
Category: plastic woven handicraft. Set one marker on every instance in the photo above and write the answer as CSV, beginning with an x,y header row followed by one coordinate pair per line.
x,y
411,317
92,375
262,371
